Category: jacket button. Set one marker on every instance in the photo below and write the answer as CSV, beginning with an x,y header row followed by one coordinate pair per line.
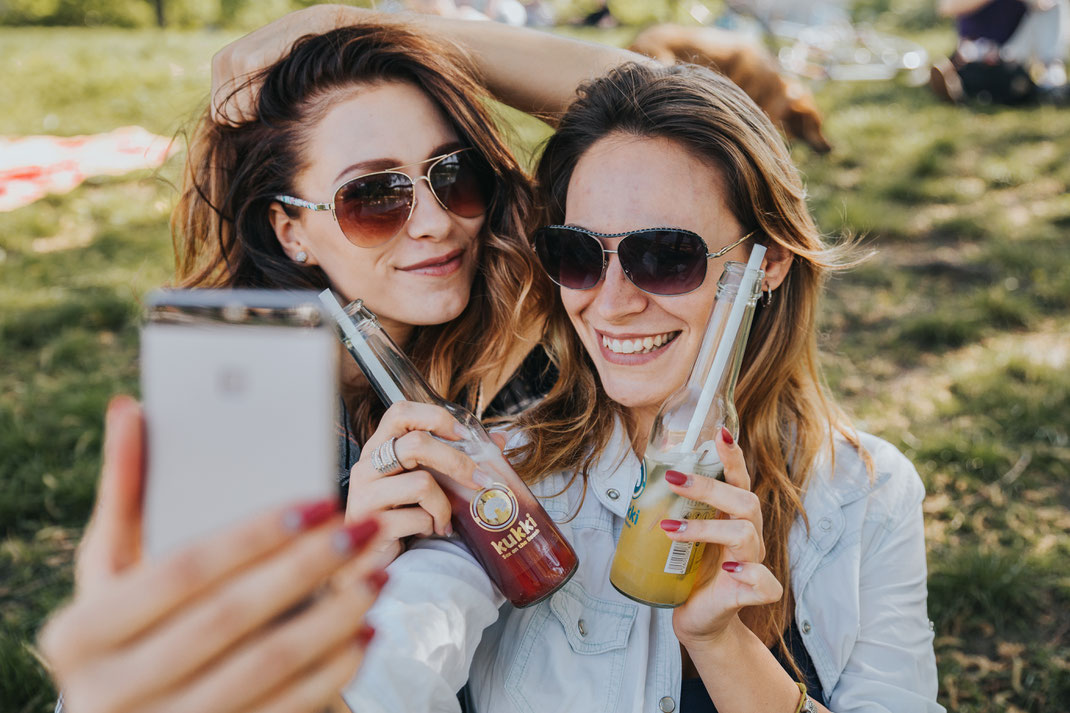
x,y
582,626
667,704
612,493
806,627
825,524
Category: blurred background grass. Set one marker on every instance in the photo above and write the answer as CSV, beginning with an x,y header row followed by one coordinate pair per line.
x,y
953,341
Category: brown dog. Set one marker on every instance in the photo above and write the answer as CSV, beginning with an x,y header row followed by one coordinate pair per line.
x,y
787,102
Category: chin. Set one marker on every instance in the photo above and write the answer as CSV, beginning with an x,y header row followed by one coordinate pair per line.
x,y
442,311
632,395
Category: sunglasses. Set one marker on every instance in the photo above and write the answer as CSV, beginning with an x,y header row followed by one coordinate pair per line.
x,y
661,261
371,209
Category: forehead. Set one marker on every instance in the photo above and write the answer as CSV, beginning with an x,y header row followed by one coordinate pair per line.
x,y
382,125
626,182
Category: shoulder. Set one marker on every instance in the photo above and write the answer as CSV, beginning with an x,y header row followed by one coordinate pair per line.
x,y
875,472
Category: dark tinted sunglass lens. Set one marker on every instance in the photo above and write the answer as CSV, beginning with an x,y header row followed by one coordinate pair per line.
x,y
665,262
462,184
571,258
372,209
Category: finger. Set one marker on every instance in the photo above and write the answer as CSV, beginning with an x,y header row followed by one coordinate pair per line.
x,y
412,488
500,439
281,651
419,450
759,585
729,499
406,522
406,416
738,537
193,637
107,618
112,541
735,467
316,687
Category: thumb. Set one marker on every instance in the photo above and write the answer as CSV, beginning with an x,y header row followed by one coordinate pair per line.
x,y
112,540
499,439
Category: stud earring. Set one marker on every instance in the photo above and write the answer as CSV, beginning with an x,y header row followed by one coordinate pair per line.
x,y
301,257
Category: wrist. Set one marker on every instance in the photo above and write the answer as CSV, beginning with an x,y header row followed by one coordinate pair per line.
x,y
724,642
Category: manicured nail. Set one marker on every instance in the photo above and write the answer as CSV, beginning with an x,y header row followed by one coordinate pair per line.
x,y
731,566
352,538
365,635
377,580
308,515
726,436
448,529
674,525
677,478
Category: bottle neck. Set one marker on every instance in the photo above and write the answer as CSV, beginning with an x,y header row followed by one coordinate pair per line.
x,y
389,371
723,332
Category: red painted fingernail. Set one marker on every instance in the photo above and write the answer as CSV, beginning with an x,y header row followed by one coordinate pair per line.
x,y
731,566
673,525
377,580
365,635
726,436
352,538
677,478
308,515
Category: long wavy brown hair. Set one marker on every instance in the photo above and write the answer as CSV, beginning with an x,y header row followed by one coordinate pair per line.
x,y
787,418
223,237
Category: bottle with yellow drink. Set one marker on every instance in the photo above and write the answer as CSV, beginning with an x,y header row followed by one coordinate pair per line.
x,y
647,566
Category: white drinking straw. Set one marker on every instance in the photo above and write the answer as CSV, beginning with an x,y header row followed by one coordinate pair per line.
x,y
724,348
379,373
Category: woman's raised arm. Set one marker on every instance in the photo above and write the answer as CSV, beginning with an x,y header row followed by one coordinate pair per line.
x,y
534,71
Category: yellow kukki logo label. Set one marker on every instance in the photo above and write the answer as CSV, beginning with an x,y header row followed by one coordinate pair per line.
x,y
494,508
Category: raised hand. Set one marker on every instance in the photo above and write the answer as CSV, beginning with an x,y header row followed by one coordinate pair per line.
x,y
404,496
732,575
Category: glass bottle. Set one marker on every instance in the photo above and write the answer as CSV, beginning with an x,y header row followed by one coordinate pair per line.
x,y
648,566
503,524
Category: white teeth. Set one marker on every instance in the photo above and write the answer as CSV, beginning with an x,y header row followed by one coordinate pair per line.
x,y
641,345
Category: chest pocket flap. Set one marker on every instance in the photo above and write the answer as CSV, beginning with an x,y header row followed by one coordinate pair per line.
x,y
591,625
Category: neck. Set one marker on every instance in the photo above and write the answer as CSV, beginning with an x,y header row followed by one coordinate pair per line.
x,y
640,419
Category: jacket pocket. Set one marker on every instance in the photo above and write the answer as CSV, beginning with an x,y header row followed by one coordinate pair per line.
x,y
571,654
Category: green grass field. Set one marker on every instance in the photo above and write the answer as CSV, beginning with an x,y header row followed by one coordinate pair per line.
x,y
953,341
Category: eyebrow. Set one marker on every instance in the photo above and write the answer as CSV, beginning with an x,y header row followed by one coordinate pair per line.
x,y
387,163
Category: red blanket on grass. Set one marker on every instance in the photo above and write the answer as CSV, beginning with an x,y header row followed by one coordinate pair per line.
x,y
34,166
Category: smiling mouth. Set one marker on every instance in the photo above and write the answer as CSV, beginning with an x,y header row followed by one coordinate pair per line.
x,y
435,262
638,345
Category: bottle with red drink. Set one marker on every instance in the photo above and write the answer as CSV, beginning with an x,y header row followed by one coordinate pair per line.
x,y
502,523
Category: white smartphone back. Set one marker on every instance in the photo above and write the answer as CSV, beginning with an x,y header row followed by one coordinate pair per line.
x,y
241,402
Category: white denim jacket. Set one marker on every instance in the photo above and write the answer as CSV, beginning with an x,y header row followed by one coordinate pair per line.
x,y
858,577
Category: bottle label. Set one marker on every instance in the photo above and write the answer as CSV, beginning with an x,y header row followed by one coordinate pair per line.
x,y
494,508
640,485
679,558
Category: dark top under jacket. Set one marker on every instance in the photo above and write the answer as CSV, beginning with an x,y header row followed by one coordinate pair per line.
x,y
695,699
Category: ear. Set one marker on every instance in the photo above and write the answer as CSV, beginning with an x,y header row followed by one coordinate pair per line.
x,y
776,264
290,233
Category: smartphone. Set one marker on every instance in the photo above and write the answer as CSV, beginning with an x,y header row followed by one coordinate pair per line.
x,y
240,391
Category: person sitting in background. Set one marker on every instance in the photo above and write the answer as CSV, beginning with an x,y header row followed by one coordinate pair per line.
x,y
1009,51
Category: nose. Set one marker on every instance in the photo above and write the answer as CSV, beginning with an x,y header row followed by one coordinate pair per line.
x,y
428,220
617,297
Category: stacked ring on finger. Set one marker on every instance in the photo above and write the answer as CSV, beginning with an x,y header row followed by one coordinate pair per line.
x,y
385,457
